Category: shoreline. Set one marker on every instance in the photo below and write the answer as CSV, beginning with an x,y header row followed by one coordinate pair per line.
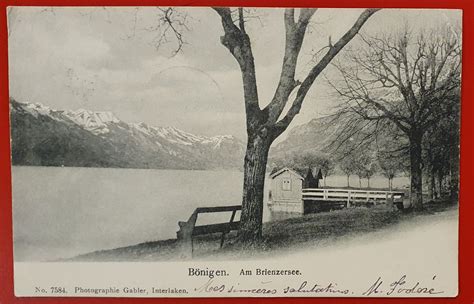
x,y
319,230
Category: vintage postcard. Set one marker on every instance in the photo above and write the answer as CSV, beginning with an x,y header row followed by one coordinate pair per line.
x,y
235,152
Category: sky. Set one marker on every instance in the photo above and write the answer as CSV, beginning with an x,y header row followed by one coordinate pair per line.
x,y
107,59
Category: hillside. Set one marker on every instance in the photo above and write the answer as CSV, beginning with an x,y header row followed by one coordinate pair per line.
x,y
313,136
42,136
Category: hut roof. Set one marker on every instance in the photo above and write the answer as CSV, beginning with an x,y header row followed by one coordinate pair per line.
x,y
286,170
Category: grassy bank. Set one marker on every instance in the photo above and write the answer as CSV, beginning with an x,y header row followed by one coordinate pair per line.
x,y
281,236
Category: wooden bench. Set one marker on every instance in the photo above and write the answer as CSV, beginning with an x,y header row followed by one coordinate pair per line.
x,y
187,230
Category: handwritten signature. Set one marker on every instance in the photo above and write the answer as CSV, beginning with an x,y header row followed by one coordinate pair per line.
x,y
400,286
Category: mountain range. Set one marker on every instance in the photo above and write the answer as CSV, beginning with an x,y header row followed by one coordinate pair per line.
x,y
42,136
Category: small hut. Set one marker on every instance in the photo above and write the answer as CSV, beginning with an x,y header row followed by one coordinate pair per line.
x,y
286,191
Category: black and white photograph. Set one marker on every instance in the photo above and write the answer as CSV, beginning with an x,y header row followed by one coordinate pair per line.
x,y
235,152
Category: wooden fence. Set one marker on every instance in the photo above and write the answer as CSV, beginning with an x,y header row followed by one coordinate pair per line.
x,y
352,196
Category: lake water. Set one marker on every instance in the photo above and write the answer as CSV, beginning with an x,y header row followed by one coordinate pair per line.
x,y
62,212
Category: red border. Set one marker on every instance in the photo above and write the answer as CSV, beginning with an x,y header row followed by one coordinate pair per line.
x,y
466,254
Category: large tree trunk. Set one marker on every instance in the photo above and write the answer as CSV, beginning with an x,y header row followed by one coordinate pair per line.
x,y
440,183
432,188
254,178
416,195
431,173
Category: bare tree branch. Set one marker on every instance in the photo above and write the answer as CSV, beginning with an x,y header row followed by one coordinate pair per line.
x,y
295,33
281,125
237,41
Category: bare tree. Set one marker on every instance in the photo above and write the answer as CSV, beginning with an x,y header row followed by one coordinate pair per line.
x,y
369,171
264,125
364,165
389,166
347,166
359,170
392,152
405,80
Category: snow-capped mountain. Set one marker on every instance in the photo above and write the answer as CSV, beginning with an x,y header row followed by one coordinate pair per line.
x,y
45,136
95,122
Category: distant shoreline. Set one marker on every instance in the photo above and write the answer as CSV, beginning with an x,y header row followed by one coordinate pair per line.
x,y
214,170
127,168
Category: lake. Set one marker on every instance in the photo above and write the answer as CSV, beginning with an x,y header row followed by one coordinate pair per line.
x,y
63,212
